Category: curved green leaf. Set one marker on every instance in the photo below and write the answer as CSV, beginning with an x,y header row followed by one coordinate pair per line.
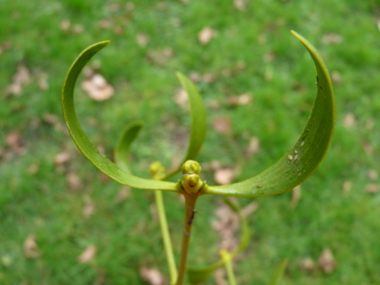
x,y
200,274
304,157
198,121
83,142
121,151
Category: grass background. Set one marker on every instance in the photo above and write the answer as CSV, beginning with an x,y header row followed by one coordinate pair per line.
x,y
125,234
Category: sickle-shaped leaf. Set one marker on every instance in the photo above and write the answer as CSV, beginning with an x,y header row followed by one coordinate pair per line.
x,y
304,157
198,121
83,142
200,274
121,151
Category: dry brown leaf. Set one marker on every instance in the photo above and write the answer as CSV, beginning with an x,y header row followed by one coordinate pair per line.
x,y
240,100
118,30
372,188
73,181
249,209
88,254
296,196
367,147
20,79
62,158
222,125
336,78
16,142
65,25
332,38
114,7
50,119
240,5
152,276
123,194
78,29
372,174
326,261
97,88
104,24
31,247
224,176
349,120
42,82
307,264
142,39
180,97
89,208
160,57
208,77
226,224
194,76
253,147
347,187
206,35
219,277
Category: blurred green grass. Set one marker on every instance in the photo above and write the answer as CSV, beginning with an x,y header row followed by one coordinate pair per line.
x,y
125,234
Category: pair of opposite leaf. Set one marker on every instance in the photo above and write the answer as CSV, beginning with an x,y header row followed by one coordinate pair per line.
x,y
289,171
292,169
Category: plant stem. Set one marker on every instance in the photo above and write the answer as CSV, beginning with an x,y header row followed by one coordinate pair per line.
x,y
227,257
166,236
190,201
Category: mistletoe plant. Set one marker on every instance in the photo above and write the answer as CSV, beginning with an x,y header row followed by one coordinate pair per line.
x,y
291,170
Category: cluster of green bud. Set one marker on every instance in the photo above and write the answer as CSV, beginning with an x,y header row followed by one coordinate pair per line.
x,y
158,170
191,182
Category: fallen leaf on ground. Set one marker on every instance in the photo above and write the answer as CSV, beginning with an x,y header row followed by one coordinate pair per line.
x,y
31,247
42,82
152,276
253,147
307,264
240,100
222,125
160,57
194,76
240,5
105,24
78,29
206,35
88,254
219,277
296,196
332,39
349,120
224,176
142,39
180,97
226,224
370,124
16,142
326,261
367,147
20,79
89,208
336,78
65,25
50,119
123,194
97,88
208,77
62,158
347,187
372,188
214,105
73,181
372,174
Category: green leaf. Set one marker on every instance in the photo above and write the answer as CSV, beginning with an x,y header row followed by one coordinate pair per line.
x,y
200,274
198,121
121,151
279,273
305,156
83,142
